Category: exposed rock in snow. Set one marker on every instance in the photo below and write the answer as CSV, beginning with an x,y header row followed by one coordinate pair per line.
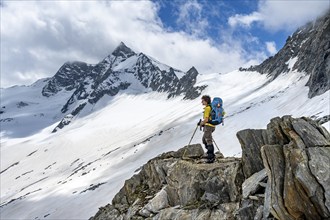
x,y
294,183
307,50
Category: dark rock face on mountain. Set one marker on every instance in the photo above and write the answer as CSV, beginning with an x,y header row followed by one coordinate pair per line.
x,y
68,77
285,175
296,157
121,70
309,49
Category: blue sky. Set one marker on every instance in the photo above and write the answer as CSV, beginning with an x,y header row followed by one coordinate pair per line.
x,y
37,37
216,14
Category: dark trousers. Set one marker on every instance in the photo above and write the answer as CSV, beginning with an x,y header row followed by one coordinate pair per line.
x,y
208,141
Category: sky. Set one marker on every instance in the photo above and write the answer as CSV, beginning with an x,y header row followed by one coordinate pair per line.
x,y
38,37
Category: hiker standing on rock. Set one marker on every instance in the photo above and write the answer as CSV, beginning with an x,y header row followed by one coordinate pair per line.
x,y
208,128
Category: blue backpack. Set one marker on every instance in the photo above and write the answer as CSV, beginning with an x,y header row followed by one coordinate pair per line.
x,y
217,112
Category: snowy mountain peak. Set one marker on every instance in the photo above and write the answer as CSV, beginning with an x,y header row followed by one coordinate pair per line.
x,y
192,71
122,70
123,51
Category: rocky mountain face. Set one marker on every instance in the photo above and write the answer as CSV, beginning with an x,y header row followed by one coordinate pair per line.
x,y
283,174
307,50
121,70
295,153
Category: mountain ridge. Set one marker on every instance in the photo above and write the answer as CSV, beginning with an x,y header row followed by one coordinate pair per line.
x,y
306,50
119,71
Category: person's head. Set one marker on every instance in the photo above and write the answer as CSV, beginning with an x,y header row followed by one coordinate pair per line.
x,y
206,100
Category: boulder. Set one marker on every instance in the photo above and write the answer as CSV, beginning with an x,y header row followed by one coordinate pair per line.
x,y
176,185
251,142
296,155
251,185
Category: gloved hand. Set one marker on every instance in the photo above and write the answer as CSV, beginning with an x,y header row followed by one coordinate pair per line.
x,y
199,123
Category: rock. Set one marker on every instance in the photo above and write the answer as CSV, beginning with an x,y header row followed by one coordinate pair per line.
x,y
159,202
259,212
295,153
252,184
251,141
267,202
319,160
175,186
310,135
219,155
192,151
292,180
298,173
248,209
274,163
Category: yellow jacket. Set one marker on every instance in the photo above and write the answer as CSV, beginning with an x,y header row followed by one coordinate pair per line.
x,y
207,114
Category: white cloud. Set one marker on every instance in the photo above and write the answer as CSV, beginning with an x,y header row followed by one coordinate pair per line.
x,y
244,20
289,15
282,15
37,37
191,19
271,47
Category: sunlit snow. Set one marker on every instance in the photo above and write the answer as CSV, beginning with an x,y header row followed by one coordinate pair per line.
x,y
71,173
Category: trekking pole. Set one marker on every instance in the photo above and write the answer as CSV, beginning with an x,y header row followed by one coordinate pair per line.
x,y
215,144
194,131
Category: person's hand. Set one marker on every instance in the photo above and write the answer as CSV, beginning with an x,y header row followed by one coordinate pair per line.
x,y
199,123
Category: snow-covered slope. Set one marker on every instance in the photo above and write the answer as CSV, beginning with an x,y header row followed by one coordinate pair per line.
x,y
70,173
309,48
77,88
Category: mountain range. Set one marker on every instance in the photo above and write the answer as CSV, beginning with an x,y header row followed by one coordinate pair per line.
x,y
71,141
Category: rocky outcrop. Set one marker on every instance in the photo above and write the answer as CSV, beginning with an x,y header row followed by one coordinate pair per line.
x,y
176,185
296,157
69,77
308,51
283,174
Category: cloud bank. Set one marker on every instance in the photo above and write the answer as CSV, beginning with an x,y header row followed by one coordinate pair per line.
x,y
37,37
281,15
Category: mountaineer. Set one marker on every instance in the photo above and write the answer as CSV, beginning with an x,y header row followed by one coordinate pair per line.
x,y
208,128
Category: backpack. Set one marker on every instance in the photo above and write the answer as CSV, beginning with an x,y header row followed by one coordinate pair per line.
x,y
217,111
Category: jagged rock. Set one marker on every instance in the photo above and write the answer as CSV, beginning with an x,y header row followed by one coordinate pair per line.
x,y
279,131
223,213
175,186
274,165
319,160
248,209
252,184
68,77
309,46
159,202
323,119
251,142
296,155
293,181
310,135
